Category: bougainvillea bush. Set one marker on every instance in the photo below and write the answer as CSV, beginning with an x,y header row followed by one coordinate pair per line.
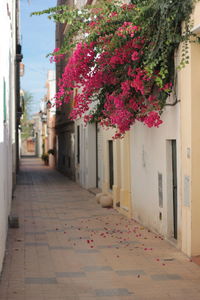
x,y
121,64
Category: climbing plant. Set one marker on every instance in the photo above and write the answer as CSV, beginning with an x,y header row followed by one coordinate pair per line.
x,y
121,59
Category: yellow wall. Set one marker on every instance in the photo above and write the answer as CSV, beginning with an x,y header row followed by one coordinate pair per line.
x,y
189,94
184,94
195,138
196,15
121,192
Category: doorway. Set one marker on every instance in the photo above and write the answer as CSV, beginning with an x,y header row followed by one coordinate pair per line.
x,y
111,172
99,156
174,188
172,183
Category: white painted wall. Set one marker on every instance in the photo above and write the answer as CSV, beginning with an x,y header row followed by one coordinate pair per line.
x,y
7,119
86,168
38,134
51,114
150,154
51,81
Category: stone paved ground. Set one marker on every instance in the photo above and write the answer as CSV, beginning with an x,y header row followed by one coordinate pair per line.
x,y
69,248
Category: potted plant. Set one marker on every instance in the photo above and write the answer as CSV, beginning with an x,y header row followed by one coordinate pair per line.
x,y
51,151
45,158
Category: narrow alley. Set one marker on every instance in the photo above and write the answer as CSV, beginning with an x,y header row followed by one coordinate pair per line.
x,y
69,248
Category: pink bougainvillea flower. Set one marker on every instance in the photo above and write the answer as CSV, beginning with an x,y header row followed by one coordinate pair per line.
x,y
135,55
105,79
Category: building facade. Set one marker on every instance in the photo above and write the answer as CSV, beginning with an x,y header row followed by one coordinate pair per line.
x,y
165,162
51,117
64,127
10,112
153,173
38,134
101,163
189,95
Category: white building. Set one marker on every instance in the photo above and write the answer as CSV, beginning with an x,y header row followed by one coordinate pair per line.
x,y
38,119
155,174
9,63
51,116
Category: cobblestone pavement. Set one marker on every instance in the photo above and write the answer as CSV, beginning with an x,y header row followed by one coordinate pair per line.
x,y
69,248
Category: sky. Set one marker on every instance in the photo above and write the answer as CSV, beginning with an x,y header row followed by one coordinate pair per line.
x,y
37,39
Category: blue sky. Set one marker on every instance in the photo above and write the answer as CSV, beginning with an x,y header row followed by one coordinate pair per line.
x,y
38,39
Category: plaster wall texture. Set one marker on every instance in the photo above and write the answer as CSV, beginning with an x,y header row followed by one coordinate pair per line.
x,y
189,92
7,111
186,143
196,15
86,164
150,156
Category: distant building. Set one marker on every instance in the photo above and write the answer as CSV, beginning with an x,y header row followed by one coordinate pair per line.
x,y
51,117
44,123
27,145
38,134
40,130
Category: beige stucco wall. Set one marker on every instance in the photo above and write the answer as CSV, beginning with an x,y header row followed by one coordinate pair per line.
x,y
196,15
151,157
184,89
189,92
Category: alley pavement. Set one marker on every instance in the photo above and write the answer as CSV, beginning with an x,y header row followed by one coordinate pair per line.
x,y
69,248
